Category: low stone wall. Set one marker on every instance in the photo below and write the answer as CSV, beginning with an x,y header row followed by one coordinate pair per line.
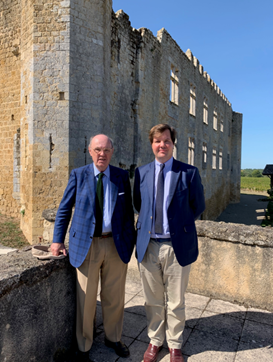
x,y
37,308
235,263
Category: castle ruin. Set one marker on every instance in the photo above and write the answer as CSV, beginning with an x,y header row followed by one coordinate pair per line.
x,y
70,69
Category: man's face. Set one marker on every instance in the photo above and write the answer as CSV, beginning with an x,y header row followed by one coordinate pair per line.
x,y
163,146
101,151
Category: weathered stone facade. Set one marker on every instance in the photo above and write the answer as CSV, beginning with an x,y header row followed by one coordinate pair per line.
x,y
70,69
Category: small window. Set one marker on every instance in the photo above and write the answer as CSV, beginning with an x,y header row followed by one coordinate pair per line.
x,y
222,124
215,119
191,151
205,111
214,158
204,155
220,160
174,86
192,101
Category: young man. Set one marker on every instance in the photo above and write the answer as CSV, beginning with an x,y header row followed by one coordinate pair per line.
x,y
169,197
101,242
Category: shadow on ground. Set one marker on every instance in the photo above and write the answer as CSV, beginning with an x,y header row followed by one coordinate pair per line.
x,y
245,212
206,335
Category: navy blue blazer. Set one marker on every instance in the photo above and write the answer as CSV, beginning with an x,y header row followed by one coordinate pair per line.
x,y
185,204
80,192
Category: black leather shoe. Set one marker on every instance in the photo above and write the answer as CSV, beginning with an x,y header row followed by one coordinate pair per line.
x,y
82,356
119,347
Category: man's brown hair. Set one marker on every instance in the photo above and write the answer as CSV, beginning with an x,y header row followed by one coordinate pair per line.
x,y
160,128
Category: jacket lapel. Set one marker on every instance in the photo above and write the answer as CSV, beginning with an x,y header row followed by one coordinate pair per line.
x,y
175,175
90,183
114,179
150,181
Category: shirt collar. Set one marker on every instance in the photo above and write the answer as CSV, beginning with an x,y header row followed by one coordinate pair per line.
x,y
106,172
168,164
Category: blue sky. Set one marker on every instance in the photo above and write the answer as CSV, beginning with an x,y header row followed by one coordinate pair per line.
x,y
233,41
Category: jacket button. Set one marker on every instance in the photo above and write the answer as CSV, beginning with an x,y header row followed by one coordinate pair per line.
x,y
149,232
151,217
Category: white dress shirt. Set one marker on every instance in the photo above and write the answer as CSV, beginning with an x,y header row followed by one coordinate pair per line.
x,y
167,181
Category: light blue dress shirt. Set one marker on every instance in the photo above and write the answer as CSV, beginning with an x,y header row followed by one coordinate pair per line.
x,y
167,181
107,215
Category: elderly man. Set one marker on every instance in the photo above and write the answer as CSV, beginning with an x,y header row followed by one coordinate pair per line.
x,y
101,242
169,197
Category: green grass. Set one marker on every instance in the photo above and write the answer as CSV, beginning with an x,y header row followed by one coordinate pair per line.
x,y
255,183
10,233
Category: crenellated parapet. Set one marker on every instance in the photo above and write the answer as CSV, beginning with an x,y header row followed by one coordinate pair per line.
x,y
196,64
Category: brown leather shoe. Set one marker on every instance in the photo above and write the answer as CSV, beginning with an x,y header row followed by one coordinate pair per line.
x,y
176,355
151,353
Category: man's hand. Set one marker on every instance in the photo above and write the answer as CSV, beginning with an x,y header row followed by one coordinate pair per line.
x,y
56,248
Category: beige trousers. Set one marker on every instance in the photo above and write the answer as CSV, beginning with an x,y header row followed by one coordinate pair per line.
x,y
164,283
101,261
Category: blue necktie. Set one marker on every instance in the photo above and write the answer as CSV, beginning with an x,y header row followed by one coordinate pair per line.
x,y
159,201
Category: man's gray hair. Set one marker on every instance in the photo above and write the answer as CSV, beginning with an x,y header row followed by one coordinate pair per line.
x,y
110,139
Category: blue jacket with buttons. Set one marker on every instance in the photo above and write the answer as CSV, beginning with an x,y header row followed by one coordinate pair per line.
x,y
80,193
185,204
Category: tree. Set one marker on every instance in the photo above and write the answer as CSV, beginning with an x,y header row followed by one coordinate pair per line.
x,y
256,173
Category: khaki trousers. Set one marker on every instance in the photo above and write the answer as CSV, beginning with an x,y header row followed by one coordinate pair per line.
x,y
102,260
164,283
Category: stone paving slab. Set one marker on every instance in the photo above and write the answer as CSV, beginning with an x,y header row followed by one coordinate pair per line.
x,y
221,306
215,331
246,353
220,325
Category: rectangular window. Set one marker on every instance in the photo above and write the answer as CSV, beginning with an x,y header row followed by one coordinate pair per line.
x,y
222,124
191,151
204,152
192,101
215,119
220,160
174,87
214,158
205,111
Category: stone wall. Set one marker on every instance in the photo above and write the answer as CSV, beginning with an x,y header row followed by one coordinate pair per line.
x,y
234,263
74,69
37,308
10,113
45,113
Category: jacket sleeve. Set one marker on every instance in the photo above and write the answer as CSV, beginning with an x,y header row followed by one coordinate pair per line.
x,y
197,199
137,195
65,210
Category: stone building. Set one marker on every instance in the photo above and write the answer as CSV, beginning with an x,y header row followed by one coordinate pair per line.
x,y
70,69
